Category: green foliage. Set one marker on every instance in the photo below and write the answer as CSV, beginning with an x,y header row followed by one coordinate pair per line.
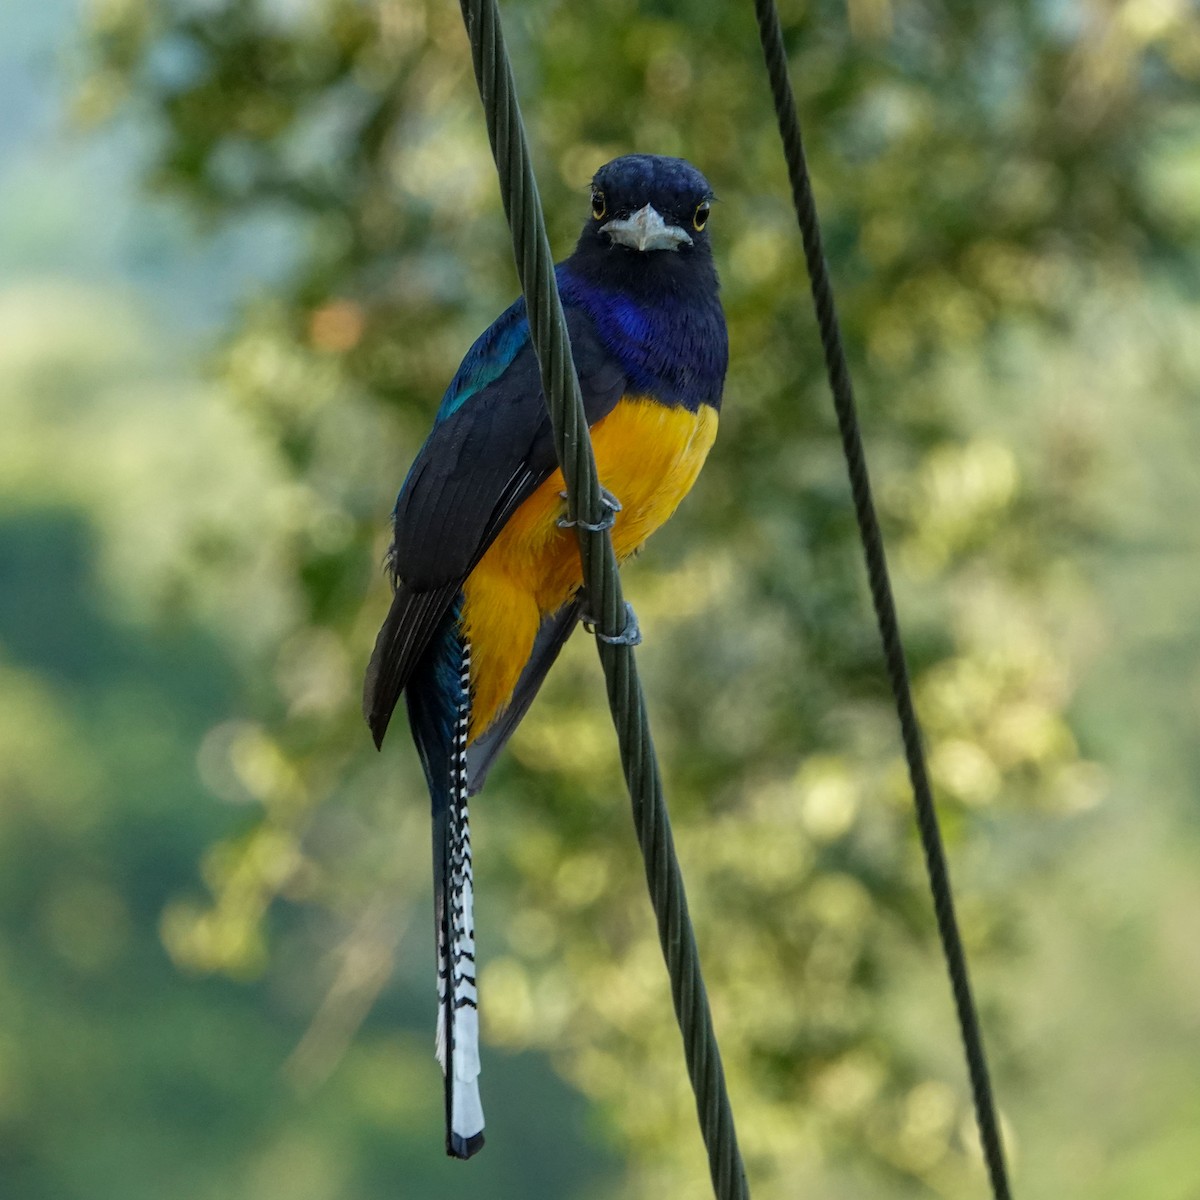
x,y
991,179
117,1071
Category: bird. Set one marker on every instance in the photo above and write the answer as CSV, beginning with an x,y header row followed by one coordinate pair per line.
x,y
485,569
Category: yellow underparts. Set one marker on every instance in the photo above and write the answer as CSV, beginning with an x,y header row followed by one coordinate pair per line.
x,y
648,456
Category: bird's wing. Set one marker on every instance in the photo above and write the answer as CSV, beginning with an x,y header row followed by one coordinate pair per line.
x,y
490,449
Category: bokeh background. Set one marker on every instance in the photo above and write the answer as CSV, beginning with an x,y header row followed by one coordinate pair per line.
x,y
242,247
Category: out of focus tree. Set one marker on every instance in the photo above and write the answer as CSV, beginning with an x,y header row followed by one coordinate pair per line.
x,y
983,172
119,1075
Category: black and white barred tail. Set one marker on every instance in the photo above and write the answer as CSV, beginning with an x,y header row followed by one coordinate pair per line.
x,y
458,1013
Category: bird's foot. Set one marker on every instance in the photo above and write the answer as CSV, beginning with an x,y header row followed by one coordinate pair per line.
x,y
612,506
631,635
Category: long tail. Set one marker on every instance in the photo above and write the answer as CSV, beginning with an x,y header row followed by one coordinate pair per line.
x,y
439,700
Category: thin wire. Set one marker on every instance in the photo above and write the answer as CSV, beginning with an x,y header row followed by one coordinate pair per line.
x,y
535,267
840,384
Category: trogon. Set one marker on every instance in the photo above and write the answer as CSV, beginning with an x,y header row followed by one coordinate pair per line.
x,y
486,572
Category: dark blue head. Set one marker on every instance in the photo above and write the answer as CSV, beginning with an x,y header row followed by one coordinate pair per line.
x,y
648,230
643,270
648,204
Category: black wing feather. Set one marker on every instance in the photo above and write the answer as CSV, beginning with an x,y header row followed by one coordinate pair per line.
x,y
481,462
477,467
410,624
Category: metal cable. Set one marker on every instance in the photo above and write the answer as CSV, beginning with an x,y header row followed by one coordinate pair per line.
x,y
535,267
840,384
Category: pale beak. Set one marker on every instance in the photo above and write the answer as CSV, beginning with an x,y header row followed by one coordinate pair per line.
x,y
646,230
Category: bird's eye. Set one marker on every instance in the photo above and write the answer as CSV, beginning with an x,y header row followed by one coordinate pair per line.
x,y
700,216
599,205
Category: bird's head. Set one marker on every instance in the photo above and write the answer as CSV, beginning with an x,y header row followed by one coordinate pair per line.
x,y
646,203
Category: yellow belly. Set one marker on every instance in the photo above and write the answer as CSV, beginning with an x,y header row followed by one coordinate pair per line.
x,y
648,456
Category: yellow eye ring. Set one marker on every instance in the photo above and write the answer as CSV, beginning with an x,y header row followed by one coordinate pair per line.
x,y
599,205
700,216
